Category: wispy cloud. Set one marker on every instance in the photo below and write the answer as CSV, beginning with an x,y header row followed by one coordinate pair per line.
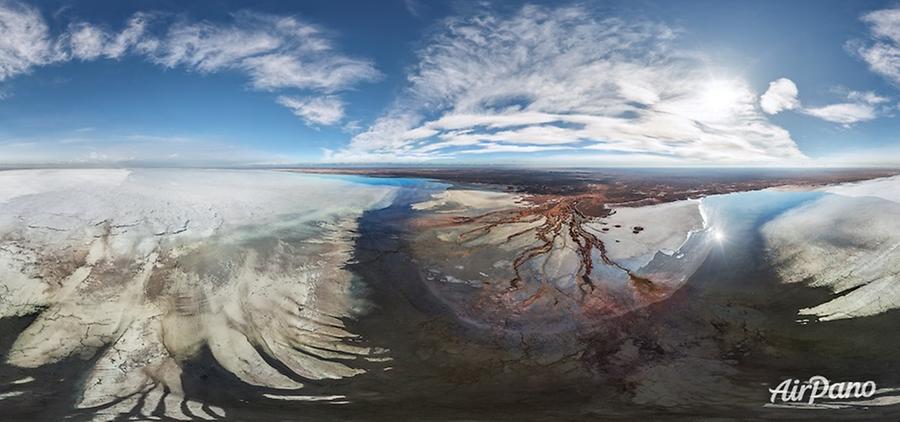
x,y
868,97
25,42
274,52
562,78
88,42
317,110
844,113
882,50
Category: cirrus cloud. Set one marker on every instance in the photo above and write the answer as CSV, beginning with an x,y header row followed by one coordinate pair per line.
x,y
317,110
882,50
846,114
560,79
274,52
26,42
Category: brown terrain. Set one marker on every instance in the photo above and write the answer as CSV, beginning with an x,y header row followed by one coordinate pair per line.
x,y
622,186
565,199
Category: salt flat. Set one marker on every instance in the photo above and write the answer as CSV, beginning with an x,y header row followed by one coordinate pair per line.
x,y
848,242
663,228
141,269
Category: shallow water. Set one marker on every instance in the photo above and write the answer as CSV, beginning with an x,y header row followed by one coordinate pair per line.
x,y
712,349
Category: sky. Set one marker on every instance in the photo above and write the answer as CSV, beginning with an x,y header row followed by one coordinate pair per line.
x,y
602,83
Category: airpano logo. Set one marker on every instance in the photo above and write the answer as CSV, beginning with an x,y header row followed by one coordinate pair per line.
x,y
794,391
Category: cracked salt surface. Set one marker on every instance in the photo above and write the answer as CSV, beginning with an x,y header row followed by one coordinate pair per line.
x,y
144,268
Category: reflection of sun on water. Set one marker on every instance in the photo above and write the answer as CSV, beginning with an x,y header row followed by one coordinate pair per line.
x,y
718,235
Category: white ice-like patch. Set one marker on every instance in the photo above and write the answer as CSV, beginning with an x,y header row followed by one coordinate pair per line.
x,y
456,200
849,244
884,188
11,394
304,398
146,267
664,228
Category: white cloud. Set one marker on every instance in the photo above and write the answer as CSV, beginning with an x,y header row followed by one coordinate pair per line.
x,y
560,78
781,95
205,47
882,50
25,41
494,148
89,42
320,110
860,106
844,113
868,97
274,52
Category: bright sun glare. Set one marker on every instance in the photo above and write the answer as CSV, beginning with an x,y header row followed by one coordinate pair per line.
x,y
720,96
718,235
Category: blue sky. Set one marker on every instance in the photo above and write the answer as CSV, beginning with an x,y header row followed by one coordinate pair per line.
x,y
806,83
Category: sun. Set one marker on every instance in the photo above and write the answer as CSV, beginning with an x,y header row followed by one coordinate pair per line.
x,y
721,95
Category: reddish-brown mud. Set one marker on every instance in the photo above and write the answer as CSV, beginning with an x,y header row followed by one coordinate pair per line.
x,y
559,216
